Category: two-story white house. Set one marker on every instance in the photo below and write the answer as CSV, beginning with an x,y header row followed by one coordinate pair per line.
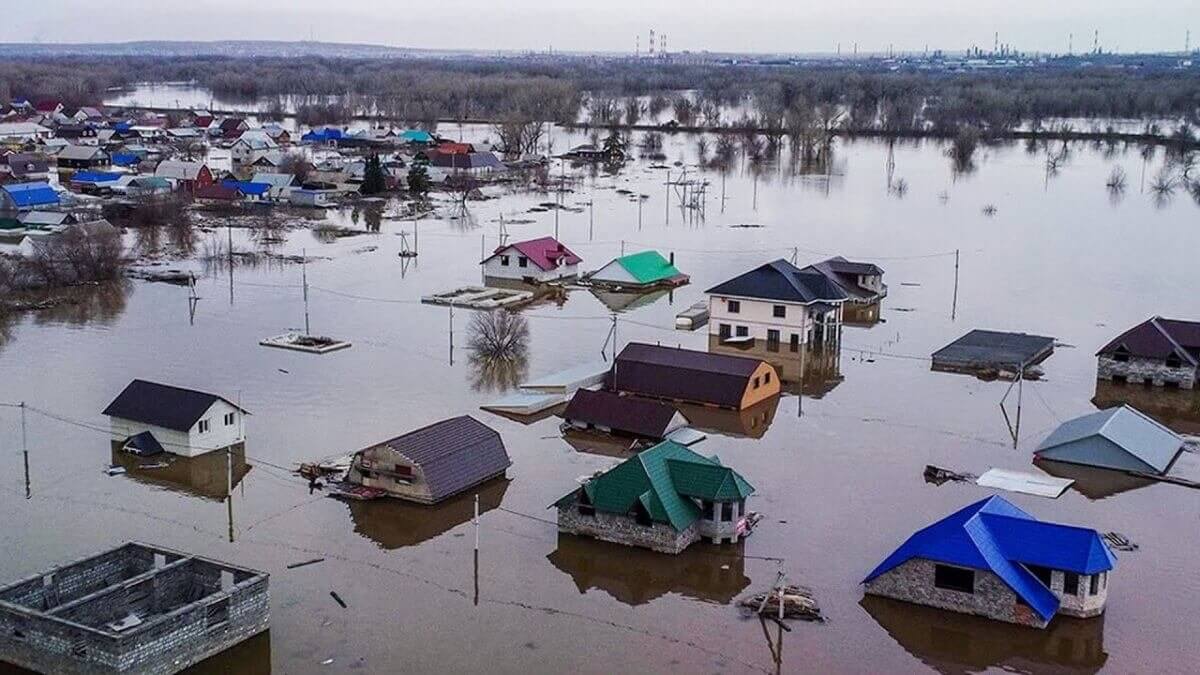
x,y
148,417
777,303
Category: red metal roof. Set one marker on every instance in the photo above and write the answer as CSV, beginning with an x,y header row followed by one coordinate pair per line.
x,y
547,253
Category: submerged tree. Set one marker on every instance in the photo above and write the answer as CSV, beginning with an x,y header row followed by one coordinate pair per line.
x,y
418,179
1116,179
374,180
498,335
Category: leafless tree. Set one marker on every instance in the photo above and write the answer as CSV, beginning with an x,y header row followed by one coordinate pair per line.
x,y
295,164
498,335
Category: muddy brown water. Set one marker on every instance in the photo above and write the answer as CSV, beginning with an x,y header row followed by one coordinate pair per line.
x,y
839,487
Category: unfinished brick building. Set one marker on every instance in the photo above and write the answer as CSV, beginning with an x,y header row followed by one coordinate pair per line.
x,y
135,608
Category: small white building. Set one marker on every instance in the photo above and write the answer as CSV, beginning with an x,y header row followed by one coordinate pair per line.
x,y
779,304
251,145
182,421
536,260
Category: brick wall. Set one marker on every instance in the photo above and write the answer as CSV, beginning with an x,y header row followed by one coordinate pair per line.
x,y
625,530
913,582
1140,371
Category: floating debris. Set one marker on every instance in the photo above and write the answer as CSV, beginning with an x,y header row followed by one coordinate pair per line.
x,y
115,470
305,563
313,344
478,297
798,603
747,226
1119,541
989,210
338,599
937,475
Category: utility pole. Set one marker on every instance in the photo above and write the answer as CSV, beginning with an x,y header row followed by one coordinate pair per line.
x,y
25,451
476,550
954,305
229,232
451,332
614,344
304,281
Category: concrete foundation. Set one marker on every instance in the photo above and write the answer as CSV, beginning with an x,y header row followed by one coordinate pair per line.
x,y
1146,372
136,608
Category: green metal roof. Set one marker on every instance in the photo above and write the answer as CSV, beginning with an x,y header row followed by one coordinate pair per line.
x,y
648,267
664,480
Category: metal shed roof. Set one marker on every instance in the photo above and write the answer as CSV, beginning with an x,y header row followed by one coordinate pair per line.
x,y
781,280
162,405
1117,438
454,454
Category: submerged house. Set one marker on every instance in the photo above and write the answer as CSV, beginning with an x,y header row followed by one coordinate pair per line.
x,y
777,302
535,260
992,559
180,421
664,499
636,271
135,608
863,284
27,196
1120,438
1159,352
432,463
619,415
82,157
688,376
187,176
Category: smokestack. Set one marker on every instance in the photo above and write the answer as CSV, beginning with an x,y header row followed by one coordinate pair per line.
x,y
672,257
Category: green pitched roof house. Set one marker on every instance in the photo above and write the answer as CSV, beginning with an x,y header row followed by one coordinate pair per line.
x,y
663,499
639,270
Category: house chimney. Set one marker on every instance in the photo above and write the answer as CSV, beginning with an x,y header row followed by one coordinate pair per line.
x,y
672,260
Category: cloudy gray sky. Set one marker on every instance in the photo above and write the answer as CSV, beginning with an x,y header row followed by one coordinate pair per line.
x,y
611,25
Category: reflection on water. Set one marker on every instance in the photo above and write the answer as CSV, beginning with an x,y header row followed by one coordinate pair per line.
x,y
496,374
596,443
86,305
953,643
636,576
1178,409
394,523
627,302
1093,482
820,370
751,422
205,476
252,657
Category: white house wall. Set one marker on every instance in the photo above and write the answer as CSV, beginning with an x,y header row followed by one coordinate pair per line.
x,y
614,273
495,268
759,317
190,443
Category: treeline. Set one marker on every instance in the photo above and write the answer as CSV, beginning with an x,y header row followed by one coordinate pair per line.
x,y
503,89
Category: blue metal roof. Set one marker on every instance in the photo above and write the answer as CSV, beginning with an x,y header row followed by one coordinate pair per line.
x,y
248,188
125,159
417,136
31,194
95,177
323,135
996,536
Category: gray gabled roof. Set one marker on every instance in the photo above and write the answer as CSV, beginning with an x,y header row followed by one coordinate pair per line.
x,y
454,454
1116,438
162,405
783,281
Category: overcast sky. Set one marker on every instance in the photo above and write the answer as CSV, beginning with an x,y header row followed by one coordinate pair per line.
x,y
611,25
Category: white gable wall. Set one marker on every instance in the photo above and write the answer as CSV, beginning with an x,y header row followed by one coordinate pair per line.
x,y
193,442
614,273
495,268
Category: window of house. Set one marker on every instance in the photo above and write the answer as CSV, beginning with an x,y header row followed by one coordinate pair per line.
x,y
743,331
779,311
587,510
773,340
754,383
767,378
229,419
1173,361
726,512
1071,583
217,613
203,426
1121,355
403,470
504,260
1043,574
708,510
642,518
522,261
734,307
1094,585
1120,379
954,578
742,507
795,344
725,331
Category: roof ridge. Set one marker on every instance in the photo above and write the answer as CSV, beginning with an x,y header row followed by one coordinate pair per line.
x,y
1179,350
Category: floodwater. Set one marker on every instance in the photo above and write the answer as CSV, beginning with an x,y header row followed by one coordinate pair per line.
x,y
839,485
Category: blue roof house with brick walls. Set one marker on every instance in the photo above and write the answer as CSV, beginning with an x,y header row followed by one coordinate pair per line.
x,y
994,560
